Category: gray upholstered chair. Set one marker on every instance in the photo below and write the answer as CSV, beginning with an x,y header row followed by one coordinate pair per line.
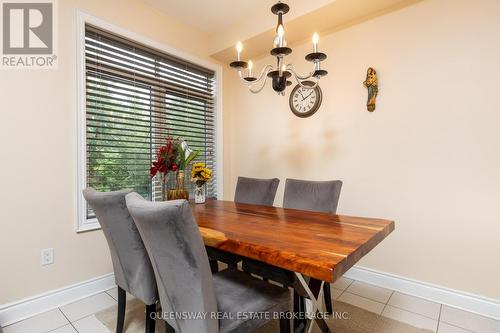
x,y
131,264
185,282
314,196
256,191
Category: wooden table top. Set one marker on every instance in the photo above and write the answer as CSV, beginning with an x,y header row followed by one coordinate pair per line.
x,y
319,245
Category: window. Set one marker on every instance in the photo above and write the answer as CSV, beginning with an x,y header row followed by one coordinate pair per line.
x,y
135,97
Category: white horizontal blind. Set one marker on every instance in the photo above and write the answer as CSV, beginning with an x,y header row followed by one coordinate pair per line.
x,y
137,96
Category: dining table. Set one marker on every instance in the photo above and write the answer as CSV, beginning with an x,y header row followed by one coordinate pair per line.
x,y
303,249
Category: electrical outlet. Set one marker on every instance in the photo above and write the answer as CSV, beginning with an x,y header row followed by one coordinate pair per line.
x,y
47,257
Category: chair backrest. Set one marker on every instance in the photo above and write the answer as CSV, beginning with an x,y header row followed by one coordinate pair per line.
x,y
312,195
131,264
256,191
179,259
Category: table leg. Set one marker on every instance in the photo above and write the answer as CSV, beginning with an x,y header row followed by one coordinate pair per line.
x,y
312,289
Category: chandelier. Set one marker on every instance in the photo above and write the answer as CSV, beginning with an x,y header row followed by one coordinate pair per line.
x,y
280,74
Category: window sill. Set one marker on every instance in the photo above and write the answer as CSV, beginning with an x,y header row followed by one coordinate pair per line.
x,y
89,225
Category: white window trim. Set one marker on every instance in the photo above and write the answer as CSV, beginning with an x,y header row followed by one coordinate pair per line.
x,y
82,223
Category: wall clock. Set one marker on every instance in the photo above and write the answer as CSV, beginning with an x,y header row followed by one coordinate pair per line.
x,y
304,102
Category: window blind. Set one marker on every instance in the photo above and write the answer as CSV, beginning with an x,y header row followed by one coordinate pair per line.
x,y
136,96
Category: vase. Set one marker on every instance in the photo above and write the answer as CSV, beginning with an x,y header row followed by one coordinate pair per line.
x,y
199,194
180,191
164,186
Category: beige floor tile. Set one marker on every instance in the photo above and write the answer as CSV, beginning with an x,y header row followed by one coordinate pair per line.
x,y
336,292
447,328
342,283
64,329
41,323
87,306
410,318
362,302
372,292
113,292
470,321
415,304
90,324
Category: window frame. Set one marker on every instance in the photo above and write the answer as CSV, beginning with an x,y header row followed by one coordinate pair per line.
x,y
82,223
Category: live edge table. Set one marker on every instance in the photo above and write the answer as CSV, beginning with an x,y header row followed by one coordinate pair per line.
x,y
312,248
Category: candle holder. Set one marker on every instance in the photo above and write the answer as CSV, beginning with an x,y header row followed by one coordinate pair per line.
x,y
315,56
239,64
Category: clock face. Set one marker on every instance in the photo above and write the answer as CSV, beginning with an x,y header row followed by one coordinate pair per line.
x,y
304,102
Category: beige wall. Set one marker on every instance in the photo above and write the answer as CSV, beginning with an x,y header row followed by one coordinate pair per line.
x,y
38,148
428,157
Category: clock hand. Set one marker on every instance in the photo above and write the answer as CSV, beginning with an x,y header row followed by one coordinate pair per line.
x,y
303,98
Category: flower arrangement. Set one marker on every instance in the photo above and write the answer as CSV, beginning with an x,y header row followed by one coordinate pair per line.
x,y
174,155
200,175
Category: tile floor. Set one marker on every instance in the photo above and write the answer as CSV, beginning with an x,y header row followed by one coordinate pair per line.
x,y
78,317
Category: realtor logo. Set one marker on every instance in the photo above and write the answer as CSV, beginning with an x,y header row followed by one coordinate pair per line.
x,y
28,34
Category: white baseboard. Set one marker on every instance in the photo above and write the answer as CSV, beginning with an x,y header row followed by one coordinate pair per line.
x,y
458,299
28,307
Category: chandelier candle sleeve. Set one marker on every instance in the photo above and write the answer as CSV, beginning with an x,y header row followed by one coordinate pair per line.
x,y
281,34
250,66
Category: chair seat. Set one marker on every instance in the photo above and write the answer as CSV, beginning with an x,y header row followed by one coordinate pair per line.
x,y
240,293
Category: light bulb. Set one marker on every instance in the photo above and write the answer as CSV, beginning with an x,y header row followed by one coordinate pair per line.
x,y
315,38
239,48
315,42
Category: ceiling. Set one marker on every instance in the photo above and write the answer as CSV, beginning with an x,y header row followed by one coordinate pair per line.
x,y
214,16
227,21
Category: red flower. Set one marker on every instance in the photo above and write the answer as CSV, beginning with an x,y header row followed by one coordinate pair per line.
x,y
166,156
153,171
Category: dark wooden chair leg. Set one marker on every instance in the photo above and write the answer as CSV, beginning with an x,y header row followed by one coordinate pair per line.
x,y
168,328
299,310
214,266
122,303
328,298
285,323
150,321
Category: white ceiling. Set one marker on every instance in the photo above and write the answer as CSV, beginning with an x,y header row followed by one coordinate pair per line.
x,y
213,16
